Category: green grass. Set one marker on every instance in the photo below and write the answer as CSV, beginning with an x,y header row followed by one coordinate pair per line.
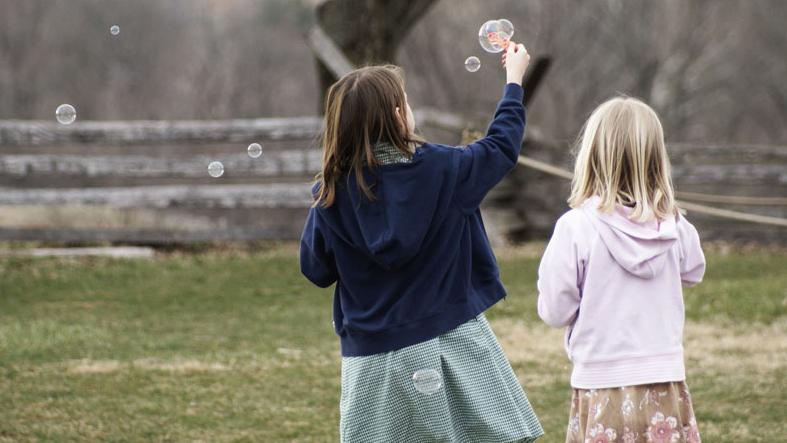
x,y
239,347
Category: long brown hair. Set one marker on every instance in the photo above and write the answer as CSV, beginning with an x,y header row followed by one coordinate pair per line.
x,y
360,110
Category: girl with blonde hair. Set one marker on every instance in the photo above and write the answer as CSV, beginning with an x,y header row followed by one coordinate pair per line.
x,y
612,275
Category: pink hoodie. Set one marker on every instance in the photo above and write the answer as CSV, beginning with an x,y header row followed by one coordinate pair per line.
x,y
616,285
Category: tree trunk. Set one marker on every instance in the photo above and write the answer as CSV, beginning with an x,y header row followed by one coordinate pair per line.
x,y
367,31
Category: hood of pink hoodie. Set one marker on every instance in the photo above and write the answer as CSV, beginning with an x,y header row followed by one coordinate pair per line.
x,y
639,247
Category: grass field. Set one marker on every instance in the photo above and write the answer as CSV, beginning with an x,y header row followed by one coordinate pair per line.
x,y
223,346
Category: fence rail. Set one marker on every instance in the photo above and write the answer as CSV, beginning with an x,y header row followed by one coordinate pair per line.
x,y
146,182
142,236
37,133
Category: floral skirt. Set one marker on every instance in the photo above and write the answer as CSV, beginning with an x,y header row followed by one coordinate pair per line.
x,y
655,413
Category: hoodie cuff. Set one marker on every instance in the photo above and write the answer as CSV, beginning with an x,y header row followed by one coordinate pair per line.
x,y
513,91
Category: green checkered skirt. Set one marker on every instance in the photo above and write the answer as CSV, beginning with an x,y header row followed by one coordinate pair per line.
x,y
471,396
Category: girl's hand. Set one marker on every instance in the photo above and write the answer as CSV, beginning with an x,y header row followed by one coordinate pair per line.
x,y
515,59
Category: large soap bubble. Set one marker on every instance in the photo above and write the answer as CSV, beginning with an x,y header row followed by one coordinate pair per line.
x,y
495,34
505,29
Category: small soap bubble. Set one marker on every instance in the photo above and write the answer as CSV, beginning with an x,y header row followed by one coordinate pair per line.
x,y
254,150
114,30
65,114
427,381
472,64
216,169
495,34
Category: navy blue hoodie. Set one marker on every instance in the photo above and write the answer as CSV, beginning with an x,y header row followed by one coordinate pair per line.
x,y
415,262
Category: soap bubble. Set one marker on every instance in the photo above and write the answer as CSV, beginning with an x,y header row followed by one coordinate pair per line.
x,y
254,150
427,381
114,30
472,64
495,34
216,169
505,29
487,29
65,114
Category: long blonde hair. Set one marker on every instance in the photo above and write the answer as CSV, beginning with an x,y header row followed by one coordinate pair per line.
x,y
623,160
360,110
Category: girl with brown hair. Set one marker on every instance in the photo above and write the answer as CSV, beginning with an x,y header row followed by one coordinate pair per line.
x,y
396,226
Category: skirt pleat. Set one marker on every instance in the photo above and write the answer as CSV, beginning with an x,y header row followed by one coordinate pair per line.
x,y
471,393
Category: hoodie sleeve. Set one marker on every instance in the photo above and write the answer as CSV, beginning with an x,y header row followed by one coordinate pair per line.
x,y
692,260
317,263
560,275
484,163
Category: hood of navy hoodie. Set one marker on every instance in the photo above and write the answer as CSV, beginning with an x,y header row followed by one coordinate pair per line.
x,y
639,247
392,229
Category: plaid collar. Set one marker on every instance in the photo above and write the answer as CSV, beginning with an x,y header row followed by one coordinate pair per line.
x,y
386,154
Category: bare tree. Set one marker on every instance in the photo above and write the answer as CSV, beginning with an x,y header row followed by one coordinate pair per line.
x,y
367,31
713,70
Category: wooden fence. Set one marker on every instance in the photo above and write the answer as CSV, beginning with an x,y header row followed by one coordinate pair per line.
x,y
146,182
750,179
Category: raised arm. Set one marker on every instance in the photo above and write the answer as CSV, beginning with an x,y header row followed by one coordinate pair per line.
x,y
484,163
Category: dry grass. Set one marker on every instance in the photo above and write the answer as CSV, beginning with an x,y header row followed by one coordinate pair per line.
x,y
107,366
758,349
736,350
230,343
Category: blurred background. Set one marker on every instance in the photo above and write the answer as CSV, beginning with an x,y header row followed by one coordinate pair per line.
x,y
187,82
204,329
713,70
